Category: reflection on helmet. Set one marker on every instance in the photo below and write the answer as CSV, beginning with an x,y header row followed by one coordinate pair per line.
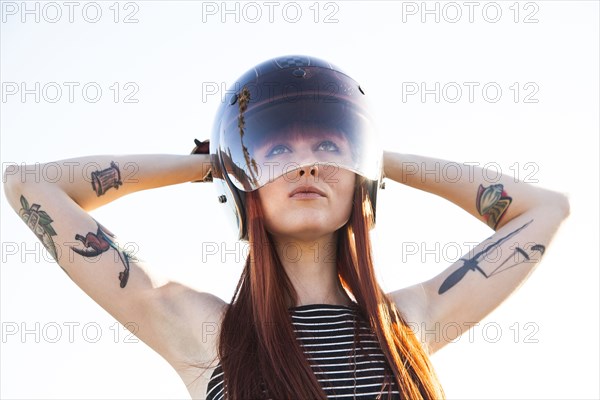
x,y
287,113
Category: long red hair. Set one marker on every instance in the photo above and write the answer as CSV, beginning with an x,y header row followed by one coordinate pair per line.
x,y
258,350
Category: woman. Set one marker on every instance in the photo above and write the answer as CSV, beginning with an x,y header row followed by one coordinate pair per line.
x,y
295,155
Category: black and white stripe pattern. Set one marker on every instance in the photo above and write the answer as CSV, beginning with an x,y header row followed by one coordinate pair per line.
x,y
326,333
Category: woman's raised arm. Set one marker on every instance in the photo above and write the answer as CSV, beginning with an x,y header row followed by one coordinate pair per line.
x,y
524,217
97,180
163,314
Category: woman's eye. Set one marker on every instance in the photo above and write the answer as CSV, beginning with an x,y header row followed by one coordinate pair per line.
x,y
279,149
327,146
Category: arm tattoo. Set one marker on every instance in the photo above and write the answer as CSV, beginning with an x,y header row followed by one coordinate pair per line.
x,y
106,179
492,203
100,242
41,224
518,256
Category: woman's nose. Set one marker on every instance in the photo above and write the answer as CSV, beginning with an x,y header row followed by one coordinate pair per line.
x,y
311,169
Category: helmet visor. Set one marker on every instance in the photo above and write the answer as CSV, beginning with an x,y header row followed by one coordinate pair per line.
x,y
268,135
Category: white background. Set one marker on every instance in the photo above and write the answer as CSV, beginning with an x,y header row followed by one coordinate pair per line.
x,y
548,343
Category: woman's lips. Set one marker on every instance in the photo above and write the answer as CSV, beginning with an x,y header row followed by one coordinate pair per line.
x,y
306,195
307,192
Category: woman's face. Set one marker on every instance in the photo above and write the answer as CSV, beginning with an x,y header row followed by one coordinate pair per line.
x,y
312,201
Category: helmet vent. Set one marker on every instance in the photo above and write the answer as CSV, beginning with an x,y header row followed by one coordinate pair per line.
x,y
299,73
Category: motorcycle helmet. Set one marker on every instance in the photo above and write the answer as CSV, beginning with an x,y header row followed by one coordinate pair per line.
x,y
259,122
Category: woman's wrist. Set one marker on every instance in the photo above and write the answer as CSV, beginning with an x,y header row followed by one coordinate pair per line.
x,y
202,148
202,169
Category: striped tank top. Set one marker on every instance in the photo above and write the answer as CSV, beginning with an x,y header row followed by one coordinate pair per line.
x,y
326,334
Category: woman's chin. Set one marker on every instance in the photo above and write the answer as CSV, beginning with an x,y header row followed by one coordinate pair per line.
x,y
307,231
306,236
306,225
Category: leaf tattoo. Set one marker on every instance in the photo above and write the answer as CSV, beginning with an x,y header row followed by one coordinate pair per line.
x,y
40,223
492,202
100,242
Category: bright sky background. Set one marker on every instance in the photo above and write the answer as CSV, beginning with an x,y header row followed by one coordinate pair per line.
x,y
548,343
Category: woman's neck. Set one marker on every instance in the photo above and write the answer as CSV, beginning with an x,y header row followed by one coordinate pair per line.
x,y
312,269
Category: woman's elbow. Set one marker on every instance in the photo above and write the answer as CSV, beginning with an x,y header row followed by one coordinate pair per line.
x,y
11,178
17,180
562,203
551,206
556,206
